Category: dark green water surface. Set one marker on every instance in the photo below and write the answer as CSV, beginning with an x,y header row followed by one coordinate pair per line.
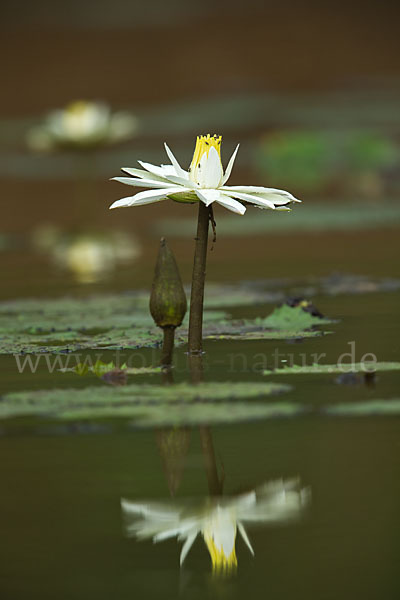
x,y
62,528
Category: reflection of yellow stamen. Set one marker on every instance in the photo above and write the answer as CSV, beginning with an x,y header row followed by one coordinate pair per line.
x,y
203,145
221,563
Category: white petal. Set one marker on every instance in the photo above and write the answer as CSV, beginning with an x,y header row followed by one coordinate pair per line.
x,y
166,534
278,200
230,165
208,196
253,199
231,204
132,507
245,537
147,197
158,171
187,545
168,170
223,527
245,501
179,171
254,189
142,182
166,173
142,174
211,169
180,181
123,203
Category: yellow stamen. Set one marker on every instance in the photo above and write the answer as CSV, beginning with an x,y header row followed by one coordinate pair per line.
x,y
203,145
221,563
77,108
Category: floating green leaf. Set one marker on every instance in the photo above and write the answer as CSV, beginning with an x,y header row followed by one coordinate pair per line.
x,y
149,403
212,414
365,409
316,369
267,334
66,324
291,317
113,322
284,322
100,368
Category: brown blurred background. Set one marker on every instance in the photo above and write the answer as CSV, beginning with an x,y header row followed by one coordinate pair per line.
x,y
257,72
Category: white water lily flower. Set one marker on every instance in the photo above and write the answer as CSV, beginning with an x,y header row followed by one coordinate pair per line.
x,y
217,519
205,181
81,124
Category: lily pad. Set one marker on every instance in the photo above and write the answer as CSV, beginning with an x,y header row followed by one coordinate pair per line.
x,y
317,369
100,368
122,321
212,414
369,408
291,317
285,322
267,334
67,324
149,404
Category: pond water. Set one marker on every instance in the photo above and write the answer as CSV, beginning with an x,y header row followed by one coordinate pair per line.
x,y
62,484
315,479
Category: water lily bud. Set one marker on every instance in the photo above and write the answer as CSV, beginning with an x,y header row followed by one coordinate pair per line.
x,y
168,299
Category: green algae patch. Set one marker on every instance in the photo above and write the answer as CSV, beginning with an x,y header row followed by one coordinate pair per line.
x,y
151,404
316,369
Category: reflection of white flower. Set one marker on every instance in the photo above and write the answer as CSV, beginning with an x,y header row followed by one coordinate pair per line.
x,y
81,124
88,256
218,519
205,181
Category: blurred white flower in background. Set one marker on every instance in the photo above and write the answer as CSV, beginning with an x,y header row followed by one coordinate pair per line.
x,y
216,519
89,257
81,124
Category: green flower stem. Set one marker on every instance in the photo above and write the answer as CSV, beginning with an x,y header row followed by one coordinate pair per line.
x,y
215,483
198,280
168,347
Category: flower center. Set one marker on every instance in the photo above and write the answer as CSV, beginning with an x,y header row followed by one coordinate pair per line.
x,y
203,145
77,109
202,159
